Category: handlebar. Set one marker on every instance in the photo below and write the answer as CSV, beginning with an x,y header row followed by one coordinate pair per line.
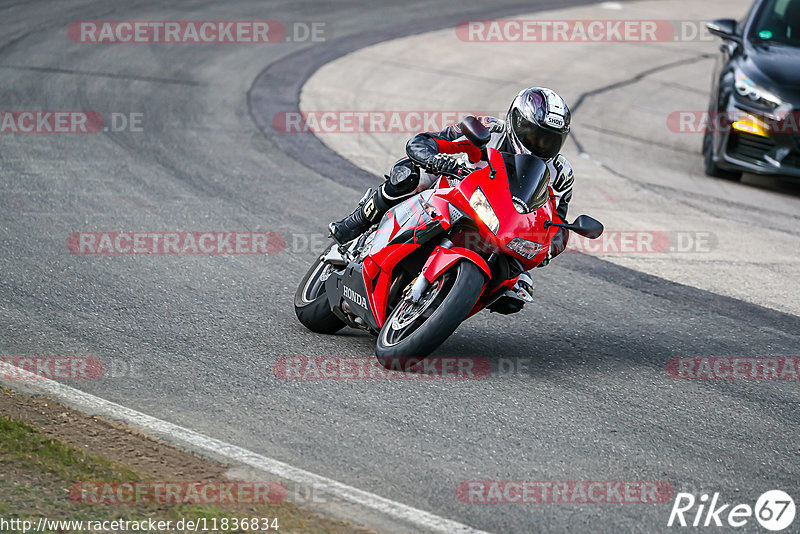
x,y
462,169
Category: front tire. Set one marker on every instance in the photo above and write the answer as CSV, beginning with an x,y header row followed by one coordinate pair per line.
x,y
709,165
414,331
711,168
311,301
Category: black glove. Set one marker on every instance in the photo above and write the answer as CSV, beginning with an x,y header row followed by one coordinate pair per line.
x,y
443,163
557,246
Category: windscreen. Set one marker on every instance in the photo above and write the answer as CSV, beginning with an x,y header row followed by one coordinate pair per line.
x,y
528,178
778,22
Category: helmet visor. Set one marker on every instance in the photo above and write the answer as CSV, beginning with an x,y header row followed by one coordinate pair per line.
x,y
541,142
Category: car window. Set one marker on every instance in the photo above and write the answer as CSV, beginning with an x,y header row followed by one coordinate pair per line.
x,y
778,22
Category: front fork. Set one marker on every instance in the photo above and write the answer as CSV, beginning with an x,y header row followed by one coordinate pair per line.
x,y
421,283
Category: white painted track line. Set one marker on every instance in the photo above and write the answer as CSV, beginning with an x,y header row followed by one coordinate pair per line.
x,y
399,515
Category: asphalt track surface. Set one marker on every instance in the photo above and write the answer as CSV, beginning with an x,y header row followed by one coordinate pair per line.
x,y
192,339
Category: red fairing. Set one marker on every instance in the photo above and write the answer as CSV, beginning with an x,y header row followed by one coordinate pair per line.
x,y
513,224
428,215
378,296
443,258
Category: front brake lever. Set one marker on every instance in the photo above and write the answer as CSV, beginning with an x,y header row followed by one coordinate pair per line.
x,y
466,170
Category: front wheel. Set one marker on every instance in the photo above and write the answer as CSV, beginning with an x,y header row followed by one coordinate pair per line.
x,y
709,165
311,301
414,330
711,168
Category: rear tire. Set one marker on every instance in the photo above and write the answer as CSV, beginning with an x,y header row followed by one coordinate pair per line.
x,y
311,301
455,293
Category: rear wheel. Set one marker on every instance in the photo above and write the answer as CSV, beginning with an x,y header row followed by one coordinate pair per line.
x,y
414,330
311,302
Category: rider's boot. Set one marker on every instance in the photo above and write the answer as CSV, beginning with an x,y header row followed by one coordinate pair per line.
x,y
369,211
399,185
524,287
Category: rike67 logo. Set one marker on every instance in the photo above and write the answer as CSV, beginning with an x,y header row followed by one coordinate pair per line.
x,y
774,510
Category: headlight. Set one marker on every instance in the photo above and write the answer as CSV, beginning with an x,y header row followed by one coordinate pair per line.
x,y
748,88
523,247
484,210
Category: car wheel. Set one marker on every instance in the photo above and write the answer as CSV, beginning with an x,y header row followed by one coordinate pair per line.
x,y
711,168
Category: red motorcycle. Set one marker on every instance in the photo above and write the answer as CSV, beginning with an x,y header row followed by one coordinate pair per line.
x,y
441,256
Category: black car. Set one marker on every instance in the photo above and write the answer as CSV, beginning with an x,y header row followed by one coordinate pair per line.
x,y
755,94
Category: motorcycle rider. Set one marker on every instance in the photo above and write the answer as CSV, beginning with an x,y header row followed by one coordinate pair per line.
x,y
537,123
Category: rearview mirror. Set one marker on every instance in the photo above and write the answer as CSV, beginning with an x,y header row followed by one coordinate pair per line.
x,y
475,132
725,28
587,227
